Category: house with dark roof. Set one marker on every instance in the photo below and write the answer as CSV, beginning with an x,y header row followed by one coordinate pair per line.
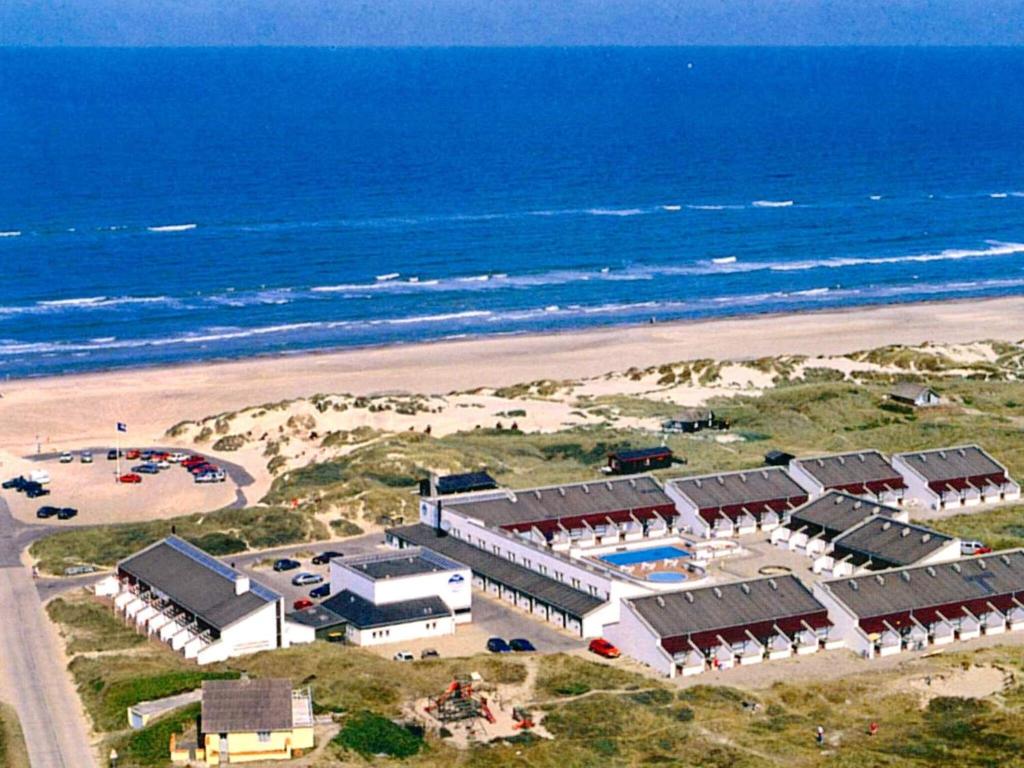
x,y
961,476
735,503
466,482
249,720
175,592
912,608
636,460
811,527
860,473
400,595
746,622
915,395
692,420
882,542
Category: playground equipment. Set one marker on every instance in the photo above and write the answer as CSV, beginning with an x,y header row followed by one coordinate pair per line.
x,y
459,702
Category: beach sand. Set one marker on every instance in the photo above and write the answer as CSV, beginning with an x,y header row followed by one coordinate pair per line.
x,y
78,410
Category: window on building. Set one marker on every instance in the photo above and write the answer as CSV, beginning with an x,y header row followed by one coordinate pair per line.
x,y
263,736
496,549
575,583
512,556
543,569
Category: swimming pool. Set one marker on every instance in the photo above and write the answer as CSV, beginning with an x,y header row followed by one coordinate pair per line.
x,y
645,555
666,577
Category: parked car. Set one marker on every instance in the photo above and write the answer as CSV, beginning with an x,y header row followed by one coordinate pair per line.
x,y
40,476
973,548
302,604
35,490
497,645
192,460
211,476
66,457
336,636
177,457
130,478
112,454
146,469
404,656
324,590
66,513
521,645
325,557
430,653
17,483
199,469
305,579
85,457
161,463
286,564
46,511
602,647
132,454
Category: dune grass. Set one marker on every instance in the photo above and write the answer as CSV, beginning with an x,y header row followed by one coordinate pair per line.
x,y
89,625
13,753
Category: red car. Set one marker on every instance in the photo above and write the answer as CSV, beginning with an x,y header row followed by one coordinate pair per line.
x,y
191,461
132,454
302,604
131,477
602,647
199,469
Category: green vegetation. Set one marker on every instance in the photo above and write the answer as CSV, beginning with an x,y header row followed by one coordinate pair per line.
x,y
370,734
1001,528
229,443
223,532
89,625
12,743
149,746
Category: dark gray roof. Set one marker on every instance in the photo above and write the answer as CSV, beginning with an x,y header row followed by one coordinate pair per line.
x,y
837,512
726,605
362,614
843,469
635,454
970,578
468,481
890,541
554,593
315,616
393,565
600,496
908,390
233,706
197,582
732,488
952,463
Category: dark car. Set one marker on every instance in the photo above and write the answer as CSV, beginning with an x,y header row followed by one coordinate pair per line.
x,y
325,557
66,513
324,590
17,483
497,645
146,469
429,653
113,454
286,564
46,511
521,645
35,490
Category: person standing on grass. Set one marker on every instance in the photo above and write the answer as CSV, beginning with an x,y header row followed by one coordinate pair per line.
x,y
820,738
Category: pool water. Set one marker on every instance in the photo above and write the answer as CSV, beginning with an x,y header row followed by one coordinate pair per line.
x,y
666,576
645,555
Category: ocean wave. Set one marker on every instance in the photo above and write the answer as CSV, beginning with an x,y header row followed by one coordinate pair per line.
x,y
772,203
616,211
11,233
171,228
874,197
88,303
999,195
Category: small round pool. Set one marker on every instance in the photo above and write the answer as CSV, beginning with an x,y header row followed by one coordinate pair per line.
x,y
666,577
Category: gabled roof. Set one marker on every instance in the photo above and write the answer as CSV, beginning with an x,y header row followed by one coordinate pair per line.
x,y
890,542
197,582
555,593
726,605
636,454
362,614
246,706
842,470
836,512
316,616
536,504
955,463
908,390
907,589
738,488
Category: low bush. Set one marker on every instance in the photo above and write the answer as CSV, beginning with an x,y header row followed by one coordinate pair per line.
x,y
371,734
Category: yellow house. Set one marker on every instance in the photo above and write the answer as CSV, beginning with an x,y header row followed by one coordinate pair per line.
x,y
248,720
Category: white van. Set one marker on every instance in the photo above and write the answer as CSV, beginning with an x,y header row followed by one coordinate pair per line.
x,y
40,476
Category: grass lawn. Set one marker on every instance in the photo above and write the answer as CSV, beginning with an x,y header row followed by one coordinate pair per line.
x,y
90,625
12,743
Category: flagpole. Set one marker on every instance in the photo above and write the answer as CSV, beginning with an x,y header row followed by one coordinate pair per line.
x,y
117,451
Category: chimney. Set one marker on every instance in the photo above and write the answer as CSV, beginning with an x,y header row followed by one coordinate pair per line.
x,y
241,584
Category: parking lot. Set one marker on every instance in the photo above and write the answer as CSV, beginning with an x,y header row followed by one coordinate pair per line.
x,y
491,618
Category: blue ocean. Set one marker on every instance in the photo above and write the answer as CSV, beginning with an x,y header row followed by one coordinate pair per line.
x,y
170,205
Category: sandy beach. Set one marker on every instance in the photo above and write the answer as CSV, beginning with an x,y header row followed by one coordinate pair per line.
x,y
83,409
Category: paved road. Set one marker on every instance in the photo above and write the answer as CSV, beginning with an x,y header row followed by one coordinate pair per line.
x,y
32,674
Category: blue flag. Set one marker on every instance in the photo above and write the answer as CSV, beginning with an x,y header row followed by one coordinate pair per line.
x,y
122,427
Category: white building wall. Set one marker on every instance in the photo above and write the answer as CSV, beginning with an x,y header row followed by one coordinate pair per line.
x,y
437,626
687,510
845,625
634,637
253,633
805,480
